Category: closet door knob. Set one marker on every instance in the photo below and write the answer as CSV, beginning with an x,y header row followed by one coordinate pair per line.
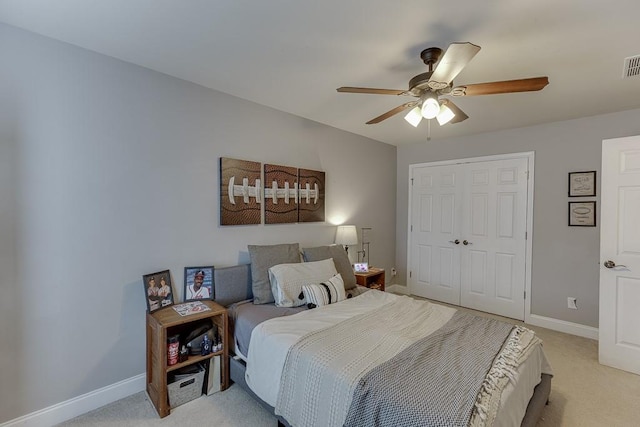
x,y
454,241
464,242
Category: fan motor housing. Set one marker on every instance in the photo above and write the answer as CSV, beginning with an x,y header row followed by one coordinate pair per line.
x,y
420,83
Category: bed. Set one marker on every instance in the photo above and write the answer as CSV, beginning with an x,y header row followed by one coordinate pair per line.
x,y
359,361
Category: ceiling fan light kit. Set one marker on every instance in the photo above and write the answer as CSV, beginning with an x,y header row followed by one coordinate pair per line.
x,y
444,114
429,86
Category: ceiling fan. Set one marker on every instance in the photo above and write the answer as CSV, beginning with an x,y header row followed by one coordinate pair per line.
x,y
429,86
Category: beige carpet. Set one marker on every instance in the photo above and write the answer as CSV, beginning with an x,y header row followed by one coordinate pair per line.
x,y
583,394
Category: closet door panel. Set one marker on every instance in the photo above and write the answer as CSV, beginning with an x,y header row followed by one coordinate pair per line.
x,y
495,227
435,221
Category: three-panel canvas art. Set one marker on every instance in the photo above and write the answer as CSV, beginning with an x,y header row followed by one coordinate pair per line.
x,y
288,194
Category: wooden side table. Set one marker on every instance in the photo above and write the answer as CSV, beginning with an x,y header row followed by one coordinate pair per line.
x,y
166,322
373,279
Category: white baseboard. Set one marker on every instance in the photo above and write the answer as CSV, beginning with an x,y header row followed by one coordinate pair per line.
x,y
563,326
79,405
397,289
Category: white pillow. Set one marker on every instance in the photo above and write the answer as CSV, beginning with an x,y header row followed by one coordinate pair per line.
x,y
325,293
287,280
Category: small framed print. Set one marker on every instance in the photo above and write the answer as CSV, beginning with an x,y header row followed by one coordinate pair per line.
x,y
361,267
158,290
582,214
198,283
582,184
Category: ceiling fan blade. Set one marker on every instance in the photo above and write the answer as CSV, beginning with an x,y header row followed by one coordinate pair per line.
x,y
459,114
372,91
393,112
454,60
507,86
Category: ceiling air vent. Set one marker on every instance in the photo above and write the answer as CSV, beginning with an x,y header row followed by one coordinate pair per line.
x,y
631,67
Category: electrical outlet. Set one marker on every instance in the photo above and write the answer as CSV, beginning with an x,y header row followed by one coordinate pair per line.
x,y
572,303
393,272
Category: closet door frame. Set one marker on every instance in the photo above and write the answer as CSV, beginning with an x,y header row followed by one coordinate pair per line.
x,y
530,156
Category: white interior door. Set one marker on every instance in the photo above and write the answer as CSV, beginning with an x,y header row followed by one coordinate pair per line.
x,y
435,212
493,233
619,329
467,243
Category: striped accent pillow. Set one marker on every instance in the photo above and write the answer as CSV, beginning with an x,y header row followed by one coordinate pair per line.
x,y
287,280
325,293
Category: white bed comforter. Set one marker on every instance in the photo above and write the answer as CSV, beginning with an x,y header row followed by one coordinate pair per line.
x,y
271,341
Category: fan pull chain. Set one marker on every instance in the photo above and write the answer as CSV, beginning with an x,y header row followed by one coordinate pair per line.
x,y
429,130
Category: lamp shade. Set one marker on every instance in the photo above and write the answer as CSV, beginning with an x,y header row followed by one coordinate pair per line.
x,y
346,235
414,117
445,115
430,108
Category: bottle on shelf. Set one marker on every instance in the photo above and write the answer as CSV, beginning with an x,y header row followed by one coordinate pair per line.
x,y
206,345
183,356
172,350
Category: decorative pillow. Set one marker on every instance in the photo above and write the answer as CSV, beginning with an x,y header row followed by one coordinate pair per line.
x,y
287,280
263,258
325,293
340,258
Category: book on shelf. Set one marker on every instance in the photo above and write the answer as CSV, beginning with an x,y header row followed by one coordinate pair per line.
x,y
191,307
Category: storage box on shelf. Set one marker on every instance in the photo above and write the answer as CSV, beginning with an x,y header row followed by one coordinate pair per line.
x,y
186,387
165,323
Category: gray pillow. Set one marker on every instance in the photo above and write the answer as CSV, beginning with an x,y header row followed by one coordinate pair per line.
x,y
340,259
264,257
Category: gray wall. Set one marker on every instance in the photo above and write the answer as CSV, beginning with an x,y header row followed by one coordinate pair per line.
x,y
109,171
565,259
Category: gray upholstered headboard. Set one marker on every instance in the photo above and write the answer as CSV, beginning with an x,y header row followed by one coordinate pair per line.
x,y
232,284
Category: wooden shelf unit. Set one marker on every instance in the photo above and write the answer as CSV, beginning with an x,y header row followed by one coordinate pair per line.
x,y
165,323
373,279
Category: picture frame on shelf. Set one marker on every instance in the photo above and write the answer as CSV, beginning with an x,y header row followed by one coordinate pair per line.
x,y
158,290
198,283
361,267
582,214
582,184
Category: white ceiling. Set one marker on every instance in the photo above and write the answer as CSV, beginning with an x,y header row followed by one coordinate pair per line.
x,y
292,54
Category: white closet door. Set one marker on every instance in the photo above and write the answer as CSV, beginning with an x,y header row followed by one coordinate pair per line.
x,y
435,220
482,203
493,245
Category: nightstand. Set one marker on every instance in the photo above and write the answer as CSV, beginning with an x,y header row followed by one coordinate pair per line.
x,y
373,279
166,322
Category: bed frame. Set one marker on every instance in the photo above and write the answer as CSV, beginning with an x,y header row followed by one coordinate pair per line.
x,y
233,284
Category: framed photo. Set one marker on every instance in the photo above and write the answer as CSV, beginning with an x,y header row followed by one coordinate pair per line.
x,y
582,214
582,184
158,290
361,267
198,283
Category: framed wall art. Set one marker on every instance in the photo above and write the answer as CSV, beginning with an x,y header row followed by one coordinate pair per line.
x,y
582,214
198,283
158,290
280,194
311,195
240,192
582,184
